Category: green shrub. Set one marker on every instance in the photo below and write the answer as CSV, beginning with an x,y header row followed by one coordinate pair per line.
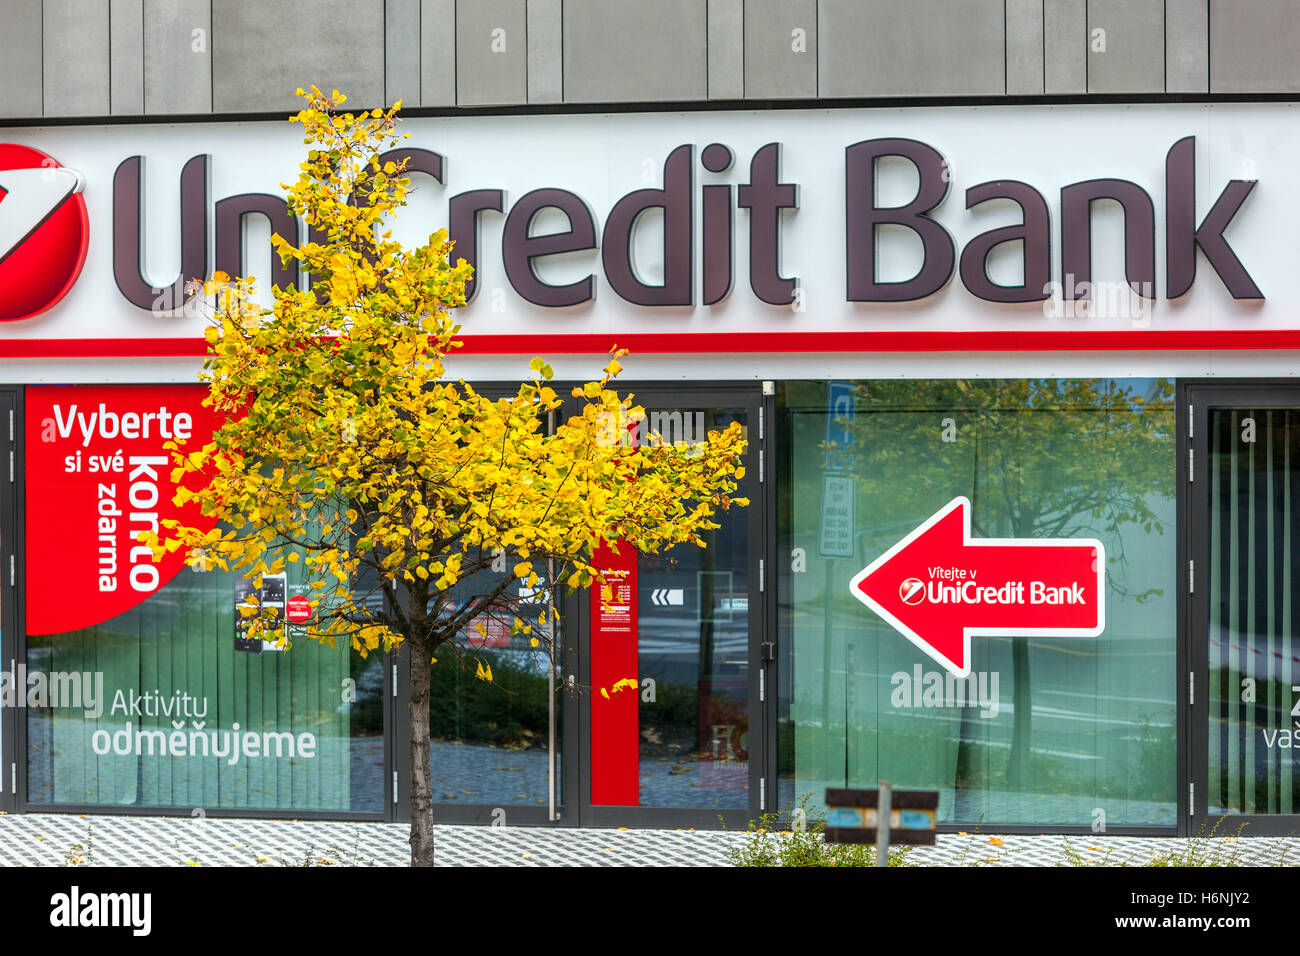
x,y
803,845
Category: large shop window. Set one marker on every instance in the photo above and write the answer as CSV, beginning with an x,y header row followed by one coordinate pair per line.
x,y
191,715
1254,670
143,687
1045,730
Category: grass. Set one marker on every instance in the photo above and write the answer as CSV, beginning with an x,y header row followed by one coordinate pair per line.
x,y
1203,850
801,843
778,840
81,854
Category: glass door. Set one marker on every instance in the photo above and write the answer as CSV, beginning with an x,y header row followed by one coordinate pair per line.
x,y
684,746
1244,584
9,472
497,747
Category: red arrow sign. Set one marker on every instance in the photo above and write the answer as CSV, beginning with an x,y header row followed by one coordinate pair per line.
x,y
937,587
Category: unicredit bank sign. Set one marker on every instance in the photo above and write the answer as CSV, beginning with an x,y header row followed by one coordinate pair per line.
x,y
1169,226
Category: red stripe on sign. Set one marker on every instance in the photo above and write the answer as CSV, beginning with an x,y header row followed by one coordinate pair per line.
x,y
665,343
103,348
722,343
615,691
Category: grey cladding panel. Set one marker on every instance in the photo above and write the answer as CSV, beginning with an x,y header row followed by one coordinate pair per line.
x,y
911,48
1065,46
126,57
177,56
262,52
545,51
726,49
437,52
1024,47
1255,47
1187,46
634,52
1126,46
780,49
20,59
75,53
402,52
491,53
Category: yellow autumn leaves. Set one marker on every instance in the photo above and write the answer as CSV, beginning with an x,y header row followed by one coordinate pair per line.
x,y
412,504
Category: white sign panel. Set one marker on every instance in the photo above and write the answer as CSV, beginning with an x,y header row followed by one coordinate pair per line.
x,y
858,229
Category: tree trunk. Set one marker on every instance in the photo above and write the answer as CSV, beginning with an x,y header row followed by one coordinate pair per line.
x,y
421,784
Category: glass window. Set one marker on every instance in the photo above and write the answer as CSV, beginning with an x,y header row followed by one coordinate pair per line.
x,y
490,739
1046,730
1254,673
175,708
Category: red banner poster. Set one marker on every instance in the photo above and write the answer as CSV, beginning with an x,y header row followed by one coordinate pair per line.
x,y
615,718
96,476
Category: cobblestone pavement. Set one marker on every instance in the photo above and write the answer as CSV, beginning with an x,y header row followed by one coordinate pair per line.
x,y
63,839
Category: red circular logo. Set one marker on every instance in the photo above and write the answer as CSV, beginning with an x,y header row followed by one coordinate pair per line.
x,y
911,591
298,609
44,231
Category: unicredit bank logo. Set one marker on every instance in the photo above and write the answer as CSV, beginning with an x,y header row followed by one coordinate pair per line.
x,y
43,231
911,591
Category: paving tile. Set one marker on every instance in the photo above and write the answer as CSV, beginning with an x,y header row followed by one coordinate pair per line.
x,y
46,839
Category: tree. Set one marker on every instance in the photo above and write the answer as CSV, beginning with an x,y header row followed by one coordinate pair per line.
x,y
343,447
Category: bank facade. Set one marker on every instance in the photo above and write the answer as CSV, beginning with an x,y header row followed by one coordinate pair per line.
x,y
1013,340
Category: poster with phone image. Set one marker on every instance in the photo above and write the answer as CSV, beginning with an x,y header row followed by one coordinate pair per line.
x,y
269,599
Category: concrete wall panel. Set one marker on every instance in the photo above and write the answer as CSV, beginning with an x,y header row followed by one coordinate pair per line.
x,y
21,82
1255,47
545,51
726,49
262,52
635,52
1065,46
491,53
437,52
402,52
780,49
177,56
911,48
1187,46
126,57
1025,47
1126,46
75,58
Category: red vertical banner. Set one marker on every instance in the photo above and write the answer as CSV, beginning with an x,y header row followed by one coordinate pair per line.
x,y
615,719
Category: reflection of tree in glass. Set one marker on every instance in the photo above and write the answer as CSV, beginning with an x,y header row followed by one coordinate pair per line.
x,y
1038,458
510,712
